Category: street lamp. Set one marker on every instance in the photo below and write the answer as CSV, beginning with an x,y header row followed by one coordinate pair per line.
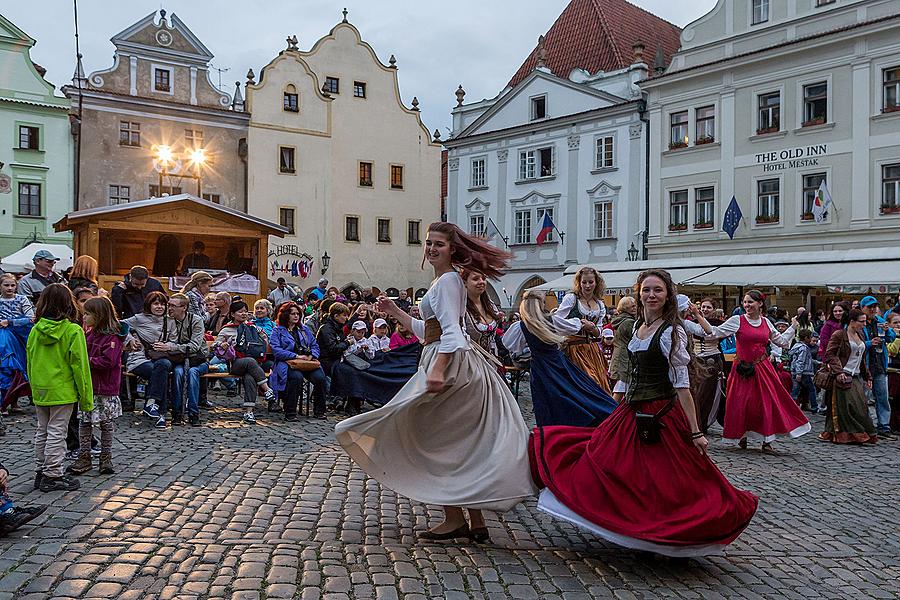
x,y
632,253
198,159
164,158
326,260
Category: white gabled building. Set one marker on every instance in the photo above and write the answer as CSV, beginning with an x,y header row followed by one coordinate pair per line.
x,y
565,138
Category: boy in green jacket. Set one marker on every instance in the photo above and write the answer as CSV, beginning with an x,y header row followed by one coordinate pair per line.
x,y
60,375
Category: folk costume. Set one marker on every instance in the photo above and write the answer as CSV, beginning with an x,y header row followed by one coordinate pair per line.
x,y
847,420
758,404
562,394
581,349
465,446
708,378
661,496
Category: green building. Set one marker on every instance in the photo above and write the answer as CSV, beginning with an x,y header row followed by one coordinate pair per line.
x,y
36,150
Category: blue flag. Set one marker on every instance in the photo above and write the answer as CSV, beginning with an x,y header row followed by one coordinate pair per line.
x,y
733,217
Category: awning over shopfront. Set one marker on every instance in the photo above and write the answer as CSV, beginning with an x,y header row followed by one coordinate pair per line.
x,y
851,271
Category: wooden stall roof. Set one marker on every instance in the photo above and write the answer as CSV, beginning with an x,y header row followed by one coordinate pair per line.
x,y
156,205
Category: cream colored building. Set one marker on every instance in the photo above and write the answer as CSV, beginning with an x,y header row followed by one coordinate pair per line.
x,y
335,156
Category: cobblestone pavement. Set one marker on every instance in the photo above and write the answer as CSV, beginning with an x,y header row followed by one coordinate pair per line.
x,y
276,510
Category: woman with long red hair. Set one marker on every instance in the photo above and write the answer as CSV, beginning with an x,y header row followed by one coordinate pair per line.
x,y
453,435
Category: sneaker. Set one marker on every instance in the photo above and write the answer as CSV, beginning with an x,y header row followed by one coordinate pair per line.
x,y
18,516
177,420
72,454
64,483
160,423
270,396
885,434
249,418
204,403
194,420
152,411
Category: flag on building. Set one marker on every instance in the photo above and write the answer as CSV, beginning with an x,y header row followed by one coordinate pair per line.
x,y
821,203
547,228
491,231
733,216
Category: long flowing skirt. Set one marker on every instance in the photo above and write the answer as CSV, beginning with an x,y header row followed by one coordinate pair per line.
x,y
759,407
848,420
589,358
466,446
707,387
664,497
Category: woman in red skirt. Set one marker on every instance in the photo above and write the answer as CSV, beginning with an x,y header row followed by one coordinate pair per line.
x,y
642,478
758,404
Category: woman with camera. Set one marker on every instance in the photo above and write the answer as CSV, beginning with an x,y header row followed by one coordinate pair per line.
x,y
847,420
642,478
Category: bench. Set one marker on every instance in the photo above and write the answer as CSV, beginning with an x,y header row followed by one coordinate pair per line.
x,y
515,378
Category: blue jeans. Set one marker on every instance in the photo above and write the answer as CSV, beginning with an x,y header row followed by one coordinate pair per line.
x,y
882,402
229,383
157,373
193,387
805,383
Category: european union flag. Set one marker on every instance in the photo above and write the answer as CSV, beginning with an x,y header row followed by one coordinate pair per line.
x,y
733,217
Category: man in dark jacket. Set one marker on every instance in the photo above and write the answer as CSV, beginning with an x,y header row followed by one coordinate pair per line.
x,y
128,295
331,338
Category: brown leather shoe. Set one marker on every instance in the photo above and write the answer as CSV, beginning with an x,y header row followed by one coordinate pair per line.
x,y
81,465
106,466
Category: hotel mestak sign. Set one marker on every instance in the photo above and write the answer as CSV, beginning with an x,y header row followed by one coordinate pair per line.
x,y
791,158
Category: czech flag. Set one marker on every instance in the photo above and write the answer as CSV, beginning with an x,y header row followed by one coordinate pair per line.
x,y
547,228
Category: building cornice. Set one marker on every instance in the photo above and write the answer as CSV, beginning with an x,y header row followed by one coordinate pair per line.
x,y
124,101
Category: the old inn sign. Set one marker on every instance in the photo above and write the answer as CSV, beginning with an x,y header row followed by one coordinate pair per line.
x,y
791,158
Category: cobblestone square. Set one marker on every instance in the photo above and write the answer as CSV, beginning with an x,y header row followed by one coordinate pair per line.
x,y
276,510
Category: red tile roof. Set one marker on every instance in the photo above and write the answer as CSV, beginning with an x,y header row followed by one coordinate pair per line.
x,y
597,35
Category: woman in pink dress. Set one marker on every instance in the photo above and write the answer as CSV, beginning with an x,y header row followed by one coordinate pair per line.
x,y
758,405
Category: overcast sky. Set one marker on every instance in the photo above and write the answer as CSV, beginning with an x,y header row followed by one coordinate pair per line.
x,y
438,44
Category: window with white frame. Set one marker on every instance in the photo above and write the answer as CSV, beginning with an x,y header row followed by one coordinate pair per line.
x,y
536,162
523,226
759,10
891,89
479,168
768,200
811,185
332,85
193,138
538,107
540,212
129,133
769,113
705,121
890,188
603,219
29,137
678,129
119,194
286,159
214,198
678,210
606,152
476,224
815,103
704,207
29,199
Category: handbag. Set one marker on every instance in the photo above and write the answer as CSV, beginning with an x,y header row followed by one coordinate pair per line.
x,y
356,362
824,378
748,369
649,426
302,364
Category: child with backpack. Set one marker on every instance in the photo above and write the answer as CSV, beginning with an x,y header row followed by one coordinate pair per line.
x,y
105,337
60,376
244,346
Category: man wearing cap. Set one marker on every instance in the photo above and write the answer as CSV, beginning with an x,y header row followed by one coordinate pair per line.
x,y
41,276
321,289
128,295
281,294
878,336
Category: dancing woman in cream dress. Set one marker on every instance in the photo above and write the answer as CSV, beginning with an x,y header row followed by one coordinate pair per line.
x,y
453,435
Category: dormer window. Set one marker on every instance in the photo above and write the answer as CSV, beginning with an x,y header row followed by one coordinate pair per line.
x,y
759,11
162,80
538,108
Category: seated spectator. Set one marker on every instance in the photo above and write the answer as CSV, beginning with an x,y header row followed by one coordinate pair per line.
x,y
244,347
82,295
289,341
320,290
196,290
362,313
359,343
16,316
84,274
41,276
147,328
219,316
403,302
196,259
333,293
331,338
184,336
282,293
353,297
402,337
209,302
11,516
368,296
130,294
262,313
379,340
319,315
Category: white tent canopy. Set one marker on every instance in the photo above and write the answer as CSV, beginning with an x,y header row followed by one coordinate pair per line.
x,y
21,261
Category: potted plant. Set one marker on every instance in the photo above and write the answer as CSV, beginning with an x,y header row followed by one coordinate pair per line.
x,y
765,219
705,140
765,130
890,109
677,145
890,209
807,216
678,227
703,225
814,121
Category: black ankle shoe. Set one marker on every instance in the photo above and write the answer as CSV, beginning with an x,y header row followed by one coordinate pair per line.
x,y
480,535
460,532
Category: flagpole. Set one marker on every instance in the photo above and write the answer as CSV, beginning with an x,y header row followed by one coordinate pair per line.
x,y
497,229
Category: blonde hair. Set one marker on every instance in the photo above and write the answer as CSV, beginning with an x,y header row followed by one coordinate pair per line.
x,y
598,289
626,304
197,278
534,313
263,302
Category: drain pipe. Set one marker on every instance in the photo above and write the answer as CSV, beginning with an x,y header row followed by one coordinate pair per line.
x,y
642,113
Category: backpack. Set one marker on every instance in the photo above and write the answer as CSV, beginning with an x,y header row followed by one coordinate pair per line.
x,y
250,343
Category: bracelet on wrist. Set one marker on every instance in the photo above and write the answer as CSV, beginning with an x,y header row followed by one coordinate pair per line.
x,y
696,435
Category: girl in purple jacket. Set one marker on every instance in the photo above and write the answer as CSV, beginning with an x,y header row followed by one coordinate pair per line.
x,y
105,337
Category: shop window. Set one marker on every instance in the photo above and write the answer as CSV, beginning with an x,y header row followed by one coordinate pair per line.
x,y
351,229
29,137
769,113
811,185
768,200
365,174
286,219
413,232
759,10
678,210
891,89
384,231
603,220
890,189
705,125
29,199
605,152
129,133
704,207
815,103
678,130
119,194
286,160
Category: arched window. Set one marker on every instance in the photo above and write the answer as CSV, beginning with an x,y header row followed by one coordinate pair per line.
x,y
291,98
